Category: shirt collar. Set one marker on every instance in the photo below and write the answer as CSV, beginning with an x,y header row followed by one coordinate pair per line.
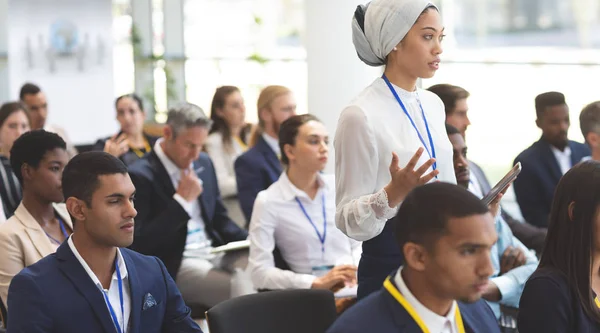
x,y
290,191
434,322
564,153
171,168
272,142
88,270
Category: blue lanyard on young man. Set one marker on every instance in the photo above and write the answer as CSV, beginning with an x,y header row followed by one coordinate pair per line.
x,y
324,235
110,308
430,152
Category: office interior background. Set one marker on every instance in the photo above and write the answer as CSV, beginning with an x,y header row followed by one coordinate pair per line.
x,y
84,53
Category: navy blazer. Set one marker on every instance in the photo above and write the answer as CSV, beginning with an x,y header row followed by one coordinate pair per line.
x,y
538,179
380,312
161,223
548,304
57,295
255,171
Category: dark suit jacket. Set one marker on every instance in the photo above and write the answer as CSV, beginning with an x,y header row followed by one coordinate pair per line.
x,y
538,179
381,313
57,295
161,223
531,236
129,157
255,170
548,304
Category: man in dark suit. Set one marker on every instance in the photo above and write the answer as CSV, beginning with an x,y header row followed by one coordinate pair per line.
x,y
259,167
455,104
547,160
93,283
446,254
180,213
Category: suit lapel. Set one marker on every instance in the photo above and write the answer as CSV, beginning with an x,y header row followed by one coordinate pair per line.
x,y
135,291
469,322
270,156
163,176
402,319
38,237
575,156
73,270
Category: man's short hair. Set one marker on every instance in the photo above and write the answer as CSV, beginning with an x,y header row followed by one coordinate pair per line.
x,y
449,95
30,149
589,119
424,214
80,177
28,89
548,99
187,115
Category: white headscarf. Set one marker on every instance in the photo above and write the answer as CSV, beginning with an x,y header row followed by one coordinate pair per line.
x,y
380,25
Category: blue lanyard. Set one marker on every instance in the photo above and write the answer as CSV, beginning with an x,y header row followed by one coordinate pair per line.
x,y
321,237
432,152
110,308
62,228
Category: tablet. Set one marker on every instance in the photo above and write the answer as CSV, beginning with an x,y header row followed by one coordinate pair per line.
x,y
502,184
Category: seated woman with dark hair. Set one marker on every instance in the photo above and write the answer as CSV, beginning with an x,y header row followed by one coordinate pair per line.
x,y
561,296
297,214
14,121
40,224
131,142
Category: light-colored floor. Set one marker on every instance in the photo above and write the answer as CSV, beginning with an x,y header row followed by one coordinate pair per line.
x,y
203,325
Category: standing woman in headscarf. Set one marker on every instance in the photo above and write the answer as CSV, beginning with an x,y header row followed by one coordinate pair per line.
x,y
392,137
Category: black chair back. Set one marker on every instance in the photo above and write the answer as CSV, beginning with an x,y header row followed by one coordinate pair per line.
x,y
290,311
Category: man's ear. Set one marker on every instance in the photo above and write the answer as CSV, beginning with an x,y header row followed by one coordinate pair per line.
x,y
415,256
77,208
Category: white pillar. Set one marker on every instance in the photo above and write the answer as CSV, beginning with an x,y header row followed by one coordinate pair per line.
x,y
4,88
335,74
144,68
174,49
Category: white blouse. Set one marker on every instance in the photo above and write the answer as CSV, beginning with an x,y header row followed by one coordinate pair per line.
x,y
369,130
223,161
277,219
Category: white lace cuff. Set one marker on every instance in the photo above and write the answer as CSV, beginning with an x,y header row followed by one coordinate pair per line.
x,y
380,205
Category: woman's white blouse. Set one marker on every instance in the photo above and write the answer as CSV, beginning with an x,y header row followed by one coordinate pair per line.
x,y
278,220
223,162
369,130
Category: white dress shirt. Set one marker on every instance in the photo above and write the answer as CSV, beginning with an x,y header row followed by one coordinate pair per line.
x,y
196,236
434,322
223,160
563,158
273,143
369,130
113,290
277,219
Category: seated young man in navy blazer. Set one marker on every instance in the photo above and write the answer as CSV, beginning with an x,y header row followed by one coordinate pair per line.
x,y
446,234
181,216
92,283
547,160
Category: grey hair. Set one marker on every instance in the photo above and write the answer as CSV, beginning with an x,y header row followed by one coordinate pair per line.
x,y
186,115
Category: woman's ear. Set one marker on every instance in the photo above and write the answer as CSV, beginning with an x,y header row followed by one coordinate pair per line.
x,y
572,211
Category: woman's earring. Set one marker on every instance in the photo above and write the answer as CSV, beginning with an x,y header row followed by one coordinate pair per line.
x,y
395,48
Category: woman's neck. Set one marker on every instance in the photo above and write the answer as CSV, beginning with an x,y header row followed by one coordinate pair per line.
x,y
100,259
137,140
304,181
236,131
424,293
42,211
400,79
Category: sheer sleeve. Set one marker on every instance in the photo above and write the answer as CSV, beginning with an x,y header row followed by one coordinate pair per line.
x,y
361,209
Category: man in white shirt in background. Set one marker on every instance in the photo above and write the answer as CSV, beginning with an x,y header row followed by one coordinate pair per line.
x,y
35,101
